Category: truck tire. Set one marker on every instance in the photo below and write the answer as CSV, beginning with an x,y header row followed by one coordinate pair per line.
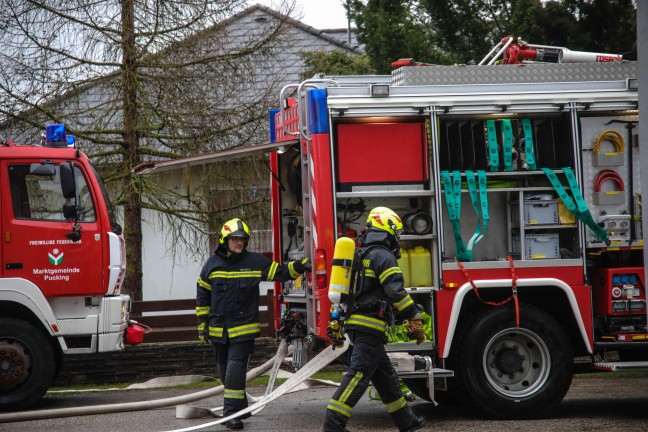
x,y
510,372
27,364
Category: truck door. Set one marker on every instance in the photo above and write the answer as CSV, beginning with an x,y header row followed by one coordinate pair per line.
x,y
35,235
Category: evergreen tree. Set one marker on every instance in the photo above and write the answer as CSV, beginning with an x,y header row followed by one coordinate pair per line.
x,y
461,31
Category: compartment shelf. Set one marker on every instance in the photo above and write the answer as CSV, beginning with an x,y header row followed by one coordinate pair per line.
x,y
419,290
385,193
551,227
418,237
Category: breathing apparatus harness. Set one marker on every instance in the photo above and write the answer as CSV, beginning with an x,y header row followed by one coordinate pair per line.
x,y
340,313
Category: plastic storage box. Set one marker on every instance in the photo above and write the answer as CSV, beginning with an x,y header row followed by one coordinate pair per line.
x,y
538,246
541,212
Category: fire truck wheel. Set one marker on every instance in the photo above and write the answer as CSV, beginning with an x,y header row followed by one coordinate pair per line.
x,y
512,372
27,364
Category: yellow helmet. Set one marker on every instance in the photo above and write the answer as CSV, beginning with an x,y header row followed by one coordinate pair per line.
x,y
234,228
385,219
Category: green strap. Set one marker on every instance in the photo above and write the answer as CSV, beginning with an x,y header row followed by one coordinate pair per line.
x,y
480,205
507,132
528,144
579,209
483,196
493,154
452,191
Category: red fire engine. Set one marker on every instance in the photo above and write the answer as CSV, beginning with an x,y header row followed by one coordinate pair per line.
x,y
63,263
519,190
520,194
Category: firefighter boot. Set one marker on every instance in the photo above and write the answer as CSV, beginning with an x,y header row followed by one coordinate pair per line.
x,y
234,423
407,421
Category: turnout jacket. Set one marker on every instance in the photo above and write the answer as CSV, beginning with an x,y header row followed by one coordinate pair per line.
x,y
227,299
381,294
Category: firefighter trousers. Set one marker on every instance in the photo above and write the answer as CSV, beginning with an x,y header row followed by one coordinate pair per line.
x,y
369,363
232,361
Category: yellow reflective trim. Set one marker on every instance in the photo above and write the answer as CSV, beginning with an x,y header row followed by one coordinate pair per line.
x,y
407,300
272,271
204,284
390,271
216,331
370,273
234,394
202,310
244,330
235,274
293,272
396,405
339,407
352,386
365,321
201,326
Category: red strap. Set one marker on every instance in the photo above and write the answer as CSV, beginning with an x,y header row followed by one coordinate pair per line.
x,y
514,291
513,295
469,279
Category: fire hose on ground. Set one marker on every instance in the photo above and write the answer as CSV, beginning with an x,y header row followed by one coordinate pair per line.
x,y
141,405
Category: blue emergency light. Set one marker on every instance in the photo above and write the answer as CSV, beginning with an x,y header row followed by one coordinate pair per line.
x,y
317,111
55,136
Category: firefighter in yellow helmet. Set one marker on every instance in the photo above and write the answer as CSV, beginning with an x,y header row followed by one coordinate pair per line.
x,y
227,307
379,295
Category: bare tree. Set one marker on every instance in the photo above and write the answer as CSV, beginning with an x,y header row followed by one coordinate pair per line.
x,y
138,80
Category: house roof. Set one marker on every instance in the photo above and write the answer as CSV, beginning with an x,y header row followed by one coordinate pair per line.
x,y
326,34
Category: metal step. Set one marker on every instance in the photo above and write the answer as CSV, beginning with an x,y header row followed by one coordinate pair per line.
x,y
410,347
437,372
621,366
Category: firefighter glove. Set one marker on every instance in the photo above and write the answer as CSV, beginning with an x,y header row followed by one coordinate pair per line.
x,y
335,334
202,333
303,265
415,329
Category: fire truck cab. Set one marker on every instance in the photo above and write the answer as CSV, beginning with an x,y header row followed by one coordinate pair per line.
x,y
520,194
63,262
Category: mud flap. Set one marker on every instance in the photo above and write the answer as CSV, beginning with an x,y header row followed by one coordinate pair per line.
x,y
315,365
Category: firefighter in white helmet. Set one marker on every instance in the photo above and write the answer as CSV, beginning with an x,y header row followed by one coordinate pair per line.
x,y
380,294
227,307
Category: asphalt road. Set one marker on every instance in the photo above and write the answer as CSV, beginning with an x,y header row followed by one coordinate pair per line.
x,y
605,404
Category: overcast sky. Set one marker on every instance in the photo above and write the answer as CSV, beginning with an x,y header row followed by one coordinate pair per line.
x,y
321,14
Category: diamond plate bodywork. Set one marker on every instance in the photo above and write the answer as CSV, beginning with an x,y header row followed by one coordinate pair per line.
x,y
528,73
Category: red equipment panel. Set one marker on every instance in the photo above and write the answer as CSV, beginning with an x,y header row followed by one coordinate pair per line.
x,y
619,291
381,153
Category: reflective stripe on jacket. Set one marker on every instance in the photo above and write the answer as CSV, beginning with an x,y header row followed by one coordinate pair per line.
x,y
227,293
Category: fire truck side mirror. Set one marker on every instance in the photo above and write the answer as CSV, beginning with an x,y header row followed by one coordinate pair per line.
x,y
68,183
69,210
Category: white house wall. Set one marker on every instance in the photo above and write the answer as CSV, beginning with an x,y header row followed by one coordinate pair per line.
x,y
168,275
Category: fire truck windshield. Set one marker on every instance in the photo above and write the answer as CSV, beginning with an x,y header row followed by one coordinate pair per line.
x,y
117,229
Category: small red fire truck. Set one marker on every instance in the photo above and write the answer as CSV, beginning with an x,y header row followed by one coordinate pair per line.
x,y
520,194
63,262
